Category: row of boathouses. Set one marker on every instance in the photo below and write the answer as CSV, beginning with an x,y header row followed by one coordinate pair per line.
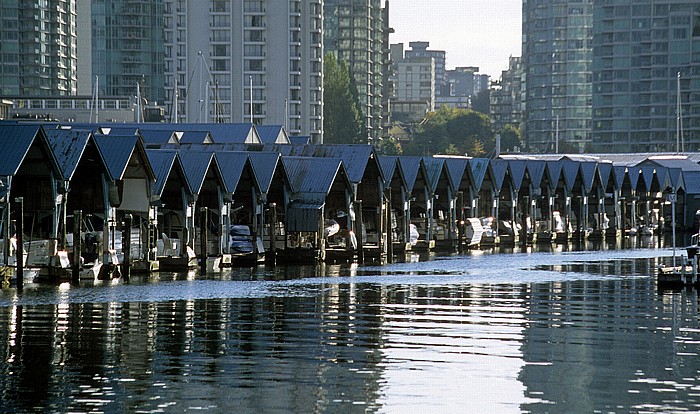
x,y
170,196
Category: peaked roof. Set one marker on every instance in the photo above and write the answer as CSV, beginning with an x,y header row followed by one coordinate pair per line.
x,y
68,147
410,166
588,171
264,166
647,173
272,134
116,151
634,173
620,172
499,168
196,165
570,169
536,170
478,168
554,173
605,170
433,168
16,141
456,170
232,165
196,137
517,172
163,161
388,164
312,175
151,136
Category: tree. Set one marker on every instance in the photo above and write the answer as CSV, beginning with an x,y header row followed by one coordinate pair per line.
x,y
510,138
482,102
342,116
452,131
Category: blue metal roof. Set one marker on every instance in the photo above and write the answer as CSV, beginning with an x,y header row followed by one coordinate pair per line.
x,y
355,157
312,175
433,168
604,172
272,134
196,137
68,147
388,164
620,172
536,170
675,178
163,161
692,182
554,173
196,165
232,165
499,169
648,176
478,168
517,172
570,169
16,141
300,140
634,173
588,171
264,166
116,152
151,136
456,170
410,166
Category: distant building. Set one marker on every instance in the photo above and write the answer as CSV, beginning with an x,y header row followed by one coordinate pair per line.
x,y
121,43
557,59
463,84
38,56
73,109
414,89
256,61
506,103
420,50
639,49
356,31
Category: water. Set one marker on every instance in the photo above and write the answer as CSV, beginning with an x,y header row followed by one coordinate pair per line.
x,y
557,332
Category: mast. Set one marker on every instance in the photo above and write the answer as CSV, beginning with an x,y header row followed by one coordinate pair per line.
x,y
175,103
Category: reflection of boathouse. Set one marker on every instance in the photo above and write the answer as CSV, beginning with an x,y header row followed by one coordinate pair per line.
x,y
196,182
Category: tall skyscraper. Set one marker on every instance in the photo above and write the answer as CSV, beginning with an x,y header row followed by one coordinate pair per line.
x,y
246,60
639,49
356,31
557,81
126,40
420,50
38,53
506,103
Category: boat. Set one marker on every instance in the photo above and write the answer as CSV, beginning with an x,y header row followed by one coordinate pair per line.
x,y
473,231
244,247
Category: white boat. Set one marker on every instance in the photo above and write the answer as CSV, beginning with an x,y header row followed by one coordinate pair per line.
x,y
473,231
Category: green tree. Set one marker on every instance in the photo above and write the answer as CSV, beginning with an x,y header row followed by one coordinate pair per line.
x,y
510,138
342,116
482,102
391,147
453,131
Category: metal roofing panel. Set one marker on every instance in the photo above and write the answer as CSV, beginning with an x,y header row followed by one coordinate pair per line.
x,y
220,133
634,173
478,168
264,166
554,173
116,152
68,147
433,167
196,165
151,136
499,169
303,216
517,172
163,162
410,166
388,165
536,171
662,175
648,176
300,140
456,170
231,165
311,175
196,137
272,134
570,169
674,162
16,141
675,177
355,157
588,171
620,172
692,182
604,171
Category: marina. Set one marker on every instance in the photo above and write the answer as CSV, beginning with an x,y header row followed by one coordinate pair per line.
x,y
111,200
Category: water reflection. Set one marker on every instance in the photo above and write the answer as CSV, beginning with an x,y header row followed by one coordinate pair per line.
x,y
533,331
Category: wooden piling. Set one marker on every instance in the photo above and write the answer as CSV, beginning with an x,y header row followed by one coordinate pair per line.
x,y
77,245
360,231
273,232
19,218
203,238
126,247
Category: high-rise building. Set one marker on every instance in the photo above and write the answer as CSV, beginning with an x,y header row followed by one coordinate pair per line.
x,y
38,54
124,42
639,49
246,60
414,89
557,80
420,50
356,31
506,105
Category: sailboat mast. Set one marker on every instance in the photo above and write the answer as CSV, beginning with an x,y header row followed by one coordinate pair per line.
x,y
678,113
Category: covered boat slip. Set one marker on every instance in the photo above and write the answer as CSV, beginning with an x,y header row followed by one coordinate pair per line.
x,y
241,196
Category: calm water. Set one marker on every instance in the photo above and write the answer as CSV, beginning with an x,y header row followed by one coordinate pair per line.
x,y
556,332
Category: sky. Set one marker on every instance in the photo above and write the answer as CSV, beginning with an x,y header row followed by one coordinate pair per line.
x,y
483,33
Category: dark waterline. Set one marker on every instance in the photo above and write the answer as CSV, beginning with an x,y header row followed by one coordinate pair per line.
x,y
556,332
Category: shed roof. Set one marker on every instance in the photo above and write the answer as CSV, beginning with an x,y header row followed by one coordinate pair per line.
x,y
232,165
312,175
196,164
517,172
68,147
478,168
16,141
272,134
433,168
163,162
499,169
536,170
264,166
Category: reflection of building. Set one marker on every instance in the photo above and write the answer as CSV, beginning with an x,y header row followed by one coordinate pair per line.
x,y
505,97
638,52
556,59
247,60
121,42
356,32
38,56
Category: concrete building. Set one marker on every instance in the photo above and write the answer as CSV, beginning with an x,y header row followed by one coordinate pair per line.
x,y
506,103
639,50
414,89
420,50
356,31
38,56
121,43
220,53
557,81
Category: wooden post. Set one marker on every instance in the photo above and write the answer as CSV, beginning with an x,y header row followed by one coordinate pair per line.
x,y
273,231
203,238
19,218
460,220
360,232
126,247
77,245
389,229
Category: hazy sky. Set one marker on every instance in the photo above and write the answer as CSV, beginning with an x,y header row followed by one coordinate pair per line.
x,y
481,33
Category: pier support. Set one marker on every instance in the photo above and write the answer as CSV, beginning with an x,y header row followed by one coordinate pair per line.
x,y
19,218
126,247
77,245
